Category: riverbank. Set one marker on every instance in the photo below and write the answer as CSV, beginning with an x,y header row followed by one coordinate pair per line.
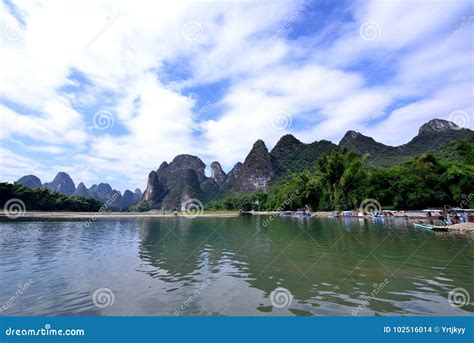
x,y
151,214
463,228
412,215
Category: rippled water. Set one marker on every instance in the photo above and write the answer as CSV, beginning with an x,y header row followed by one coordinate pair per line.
x,y
230,266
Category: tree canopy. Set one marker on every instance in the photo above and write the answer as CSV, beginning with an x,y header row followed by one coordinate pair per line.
x,y
342,179
45,200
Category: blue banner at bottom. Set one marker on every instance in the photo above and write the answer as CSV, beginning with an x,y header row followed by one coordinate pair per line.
x,y
236,329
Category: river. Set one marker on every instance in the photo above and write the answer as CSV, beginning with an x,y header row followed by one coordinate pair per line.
x,y
249,266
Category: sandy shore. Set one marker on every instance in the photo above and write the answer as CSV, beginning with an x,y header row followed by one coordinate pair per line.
x,y
152,214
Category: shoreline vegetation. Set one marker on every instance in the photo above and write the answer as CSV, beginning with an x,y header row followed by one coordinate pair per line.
x,y
342,180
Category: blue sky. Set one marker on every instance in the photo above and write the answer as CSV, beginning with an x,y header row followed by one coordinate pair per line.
x,y
108,90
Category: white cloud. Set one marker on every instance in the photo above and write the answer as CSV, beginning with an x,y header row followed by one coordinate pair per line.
x,y
59,124
14,165
50,149
161,130
417,69
404,122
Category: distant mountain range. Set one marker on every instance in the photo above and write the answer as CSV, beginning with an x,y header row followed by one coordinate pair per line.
x,y
431,136
173,184
102,192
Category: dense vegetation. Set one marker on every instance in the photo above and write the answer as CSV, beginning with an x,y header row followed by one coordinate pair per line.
x,y
45,200
342,180
459,151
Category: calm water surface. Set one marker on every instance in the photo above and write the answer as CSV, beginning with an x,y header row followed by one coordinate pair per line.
x,y
230,266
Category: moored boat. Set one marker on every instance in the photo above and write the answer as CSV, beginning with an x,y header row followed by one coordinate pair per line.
x,y
349,214
300,214
389,218
430,227
389,215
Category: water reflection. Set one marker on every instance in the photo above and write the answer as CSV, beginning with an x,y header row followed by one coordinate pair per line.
x,y
229,266
329,266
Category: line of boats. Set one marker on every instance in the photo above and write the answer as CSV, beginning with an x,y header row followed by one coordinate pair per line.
x,y
431,227
382,215
438,220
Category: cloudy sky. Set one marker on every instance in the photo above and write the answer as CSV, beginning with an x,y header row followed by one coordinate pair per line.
x,y
107,90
